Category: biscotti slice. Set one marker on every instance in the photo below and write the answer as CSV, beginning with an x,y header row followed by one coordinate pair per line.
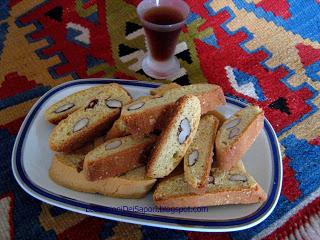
x,y
117,156
198,158
66,170
164,88
144,117
87,122
61,109
225,187
175,139
236,135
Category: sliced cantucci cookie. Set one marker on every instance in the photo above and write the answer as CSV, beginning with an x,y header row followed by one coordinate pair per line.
x,y
235,186
236,135
63,108
88,122
117,156
198,158
176,137
145,116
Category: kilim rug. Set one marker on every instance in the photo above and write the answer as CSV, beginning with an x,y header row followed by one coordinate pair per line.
x,y
266,52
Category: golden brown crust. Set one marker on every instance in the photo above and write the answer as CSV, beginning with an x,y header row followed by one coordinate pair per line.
x,y
211,100
227,158
117,130
245,196
151,120
164,88
118,163
58,119
68,176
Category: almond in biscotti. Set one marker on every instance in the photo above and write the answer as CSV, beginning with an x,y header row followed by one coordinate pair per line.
x,y
113,145
233,123
176,137
210,180
184,130
135,106
92,104
113,103
233,132
236,136
193,157
64,108
82,123
238,178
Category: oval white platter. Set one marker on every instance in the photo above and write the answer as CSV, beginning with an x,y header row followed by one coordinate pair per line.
x,y
31,159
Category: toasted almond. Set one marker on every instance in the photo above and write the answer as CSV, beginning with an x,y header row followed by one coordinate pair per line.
x,y
135,106
113,103
184,130
64,108
113,144
82,123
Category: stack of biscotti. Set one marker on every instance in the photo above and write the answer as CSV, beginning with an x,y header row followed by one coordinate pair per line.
x,y
114,167
149,138
203,182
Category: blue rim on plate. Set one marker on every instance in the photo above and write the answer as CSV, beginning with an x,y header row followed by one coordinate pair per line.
x,y
38,192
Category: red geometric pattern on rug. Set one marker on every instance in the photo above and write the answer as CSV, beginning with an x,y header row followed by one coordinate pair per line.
x,y
279,8
14,126
14,84
213,60
208,236
231,54
74,54
295,222
308,54
290,185
88,229
315,141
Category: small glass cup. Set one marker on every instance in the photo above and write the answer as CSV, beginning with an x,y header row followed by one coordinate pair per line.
x,y
160,62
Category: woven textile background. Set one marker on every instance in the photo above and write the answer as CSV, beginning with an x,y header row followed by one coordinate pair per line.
x,y
266,52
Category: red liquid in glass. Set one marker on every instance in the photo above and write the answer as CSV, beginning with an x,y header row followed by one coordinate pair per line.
x,y
162,44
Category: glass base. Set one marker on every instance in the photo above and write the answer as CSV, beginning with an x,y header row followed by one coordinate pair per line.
x,y
160,70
